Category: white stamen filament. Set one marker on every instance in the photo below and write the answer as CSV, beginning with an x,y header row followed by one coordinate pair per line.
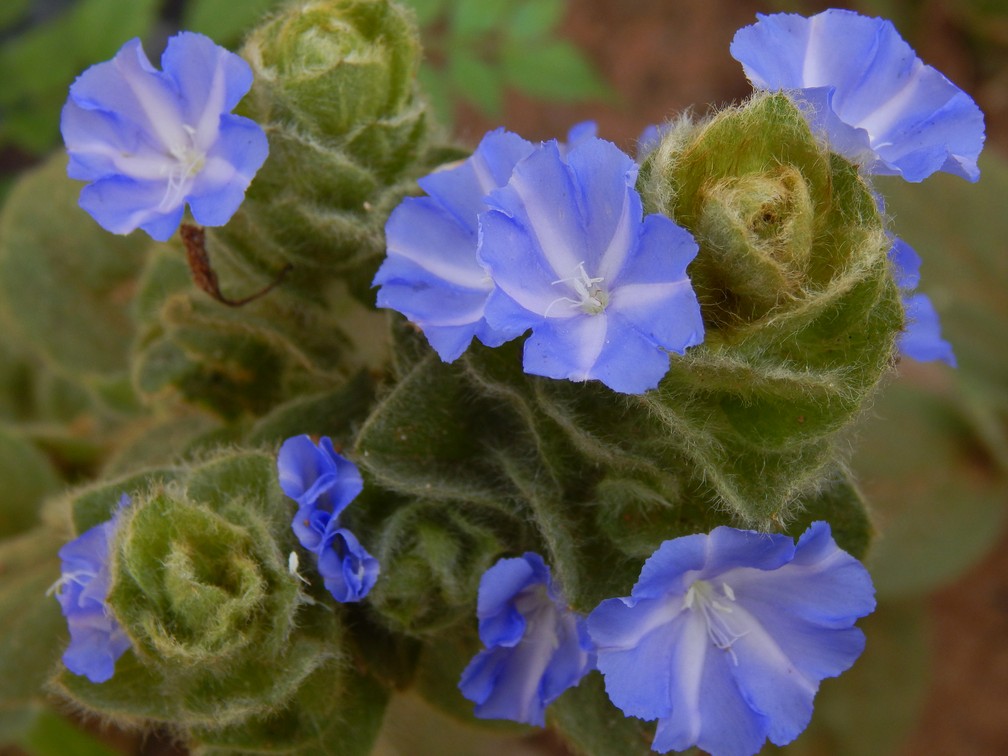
x,y
592,298
189,160
702,597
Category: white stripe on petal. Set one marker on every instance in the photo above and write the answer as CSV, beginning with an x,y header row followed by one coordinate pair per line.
x,y
590,331
632,296
616,253
161,109
546,221
457,272
690,656
208,126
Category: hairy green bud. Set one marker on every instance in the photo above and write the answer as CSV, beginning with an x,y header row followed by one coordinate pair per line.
x,y
335,90
221,629
797,295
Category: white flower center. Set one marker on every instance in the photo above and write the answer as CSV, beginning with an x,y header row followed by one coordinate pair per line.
x,y
591,298
189,160
716,610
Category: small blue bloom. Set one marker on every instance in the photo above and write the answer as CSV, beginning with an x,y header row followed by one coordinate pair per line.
x,y
725,637
922,339
151,141
316,476
323,483
877,103
347,569
536,647
97,640
431,274
605,294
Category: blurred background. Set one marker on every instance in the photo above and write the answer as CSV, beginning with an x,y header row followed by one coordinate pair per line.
x,y
931,453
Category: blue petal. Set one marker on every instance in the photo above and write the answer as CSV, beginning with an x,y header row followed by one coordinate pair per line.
x,y
210,79
96,638
462,190
917,121
310,525
907,264
578,133
922,339
653,292
729,548
316,475
544,202
708,709
219,189
499,622
635,641
595,347
144,99
349,572
663,572
120,204
431,275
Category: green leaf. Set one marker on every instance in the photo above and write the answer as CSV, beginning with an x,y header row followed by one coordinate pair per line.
x,y
38,66
224,21
587,720
12,10
869,710
435,85
66,284
477,81
937,506
427,11
959,230
27,477
555,70
52,735
31,625
534,19
414,726
471,18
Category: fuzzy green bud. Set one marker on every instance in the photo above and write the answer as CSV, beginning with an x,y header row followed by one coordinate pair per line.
x,y
432,557
221,630
333,66
335,90
798,300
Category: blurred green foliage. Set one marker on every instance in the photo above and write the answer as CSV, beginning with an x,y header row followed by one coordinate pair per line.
x,y
476,49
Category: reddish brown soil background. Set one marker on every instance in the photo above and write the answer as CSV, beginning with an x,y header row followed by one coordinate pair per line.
x,y
662,56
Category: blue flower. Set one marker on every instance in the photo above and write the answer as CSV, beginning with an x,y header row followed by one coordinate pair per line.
x,y
316,476
97,640
877,103
431,274
536,647
922,339
725,637
605,294
348,571
151,141
323,483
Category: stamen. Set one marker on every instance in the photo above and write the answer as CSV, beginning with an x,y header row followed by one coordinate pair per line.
x,y
701,597
189,160
592,298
